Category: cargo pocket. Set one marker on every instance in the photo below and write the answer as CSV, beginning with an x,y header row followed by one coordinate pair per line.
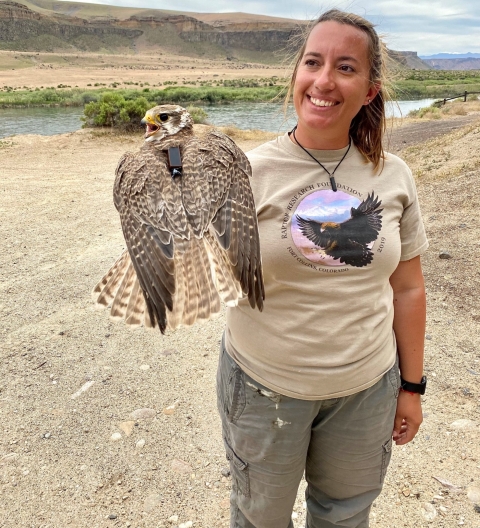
x,y
394,378
386,456
239,471
235,400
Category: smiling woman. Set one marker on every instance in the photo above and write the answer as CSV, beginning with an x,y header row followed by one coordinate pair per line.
x,y
344,295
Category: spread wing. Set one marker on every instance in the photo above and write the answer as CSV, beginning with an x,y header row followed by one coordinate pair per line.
x,y
191,240
347,241
218,198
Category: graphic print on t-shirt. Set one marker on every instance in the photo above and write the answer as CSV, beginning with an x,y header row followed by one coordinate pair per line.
x,y
337,229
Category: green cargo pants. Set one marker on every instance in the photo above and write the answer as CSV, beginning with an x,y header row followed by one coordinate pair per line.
x,y
342,444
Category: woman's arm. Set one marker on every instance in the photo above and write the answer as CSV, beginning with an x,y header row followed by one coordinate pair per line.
x,y
409,303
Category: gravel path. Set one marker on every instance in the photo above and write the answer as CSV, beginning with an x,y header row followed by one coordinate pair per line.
x,y
104,426
422,130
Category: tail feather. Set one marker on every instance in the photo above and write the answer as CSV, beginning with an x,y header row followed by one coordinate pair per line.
x,y
135,311
122,297
106,289
204,276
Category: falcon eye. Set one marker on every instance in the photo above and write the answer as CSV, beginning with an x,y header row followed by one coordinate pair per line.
x,y
163,117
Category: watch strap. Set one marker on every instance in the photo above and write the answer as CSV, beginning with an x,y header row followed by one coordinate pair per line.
x,y
417,388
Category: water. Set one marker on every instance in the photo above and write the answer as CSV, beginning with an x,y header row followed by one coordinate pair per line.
x,y
43,121
269,116
262,116
404,107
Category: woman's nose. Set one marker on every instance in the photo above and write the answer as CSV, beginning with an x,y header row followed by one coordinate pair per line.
x,y
324,79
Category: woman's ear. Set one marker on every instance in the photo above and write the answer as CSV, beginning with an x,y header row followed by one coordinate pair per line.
x,y
372,92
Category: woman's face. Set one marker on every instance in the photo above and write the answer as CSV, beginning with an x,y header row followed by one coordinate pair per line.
x,y
332,84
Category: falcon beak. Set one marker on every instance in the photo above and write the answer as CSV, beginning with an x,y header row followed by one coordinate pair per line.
x,y
150,126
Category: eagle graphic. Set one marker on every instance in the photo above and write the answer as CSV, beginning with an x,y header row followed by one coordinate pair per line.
x,y
347,241
189,224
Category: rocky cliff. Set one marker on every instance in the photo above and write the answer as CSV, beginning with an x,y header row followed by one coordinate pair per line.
x,y
454,64
37,25
409,59
22,28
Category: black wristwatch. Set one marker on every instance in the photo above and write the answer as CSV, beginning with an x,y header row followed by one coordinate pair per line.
x,y
418,388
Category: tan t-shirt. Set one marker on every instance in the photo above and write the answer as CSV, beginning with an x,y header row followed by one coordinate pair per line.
x,y
326,328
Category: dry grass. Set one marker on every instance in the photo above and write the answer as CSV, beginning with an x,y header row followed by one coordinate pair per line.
x,y
247,135
453,108
446,156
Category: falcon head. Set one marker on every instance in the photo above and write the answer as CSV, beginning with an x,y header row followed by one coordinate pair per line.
x,y
166,120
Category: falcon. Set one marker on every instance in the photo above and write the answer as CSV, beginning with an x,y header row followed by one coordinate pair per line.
x,y
347,241
189,222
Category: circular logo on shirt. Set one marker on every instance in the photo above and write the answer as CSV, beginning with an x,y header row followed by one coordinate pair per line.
x,y
337,229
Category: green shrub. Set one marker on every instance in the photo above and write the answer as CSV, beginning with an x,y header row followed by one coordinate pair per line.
x,y
112,110
198,114
89,97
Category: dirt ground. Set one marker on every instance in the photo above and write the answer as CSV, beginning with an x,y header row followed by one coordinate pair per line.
x,y
35,70
103,426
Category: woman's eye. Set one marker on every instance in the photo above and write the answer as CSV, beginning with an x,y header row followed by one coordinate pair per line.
x,y
346,68
163,117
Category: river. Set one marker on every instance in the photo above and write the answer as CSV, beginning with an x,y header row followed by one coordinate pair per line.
x,y
262,116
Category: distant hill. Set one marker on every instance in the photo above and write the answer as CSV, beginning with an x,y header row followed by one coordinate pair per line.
x,y
454,64
51,25
468,55
409,59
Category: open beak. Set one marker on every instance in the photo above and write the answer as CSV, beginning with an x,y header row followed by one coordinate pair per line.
x,y
150,127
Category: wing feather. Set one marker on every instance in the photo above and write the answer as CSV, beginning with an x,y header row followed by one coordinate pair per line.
x,y
226,170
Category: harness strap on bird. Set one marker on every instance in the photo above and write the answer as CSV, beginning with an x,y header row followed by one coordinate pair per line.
x,y
174,161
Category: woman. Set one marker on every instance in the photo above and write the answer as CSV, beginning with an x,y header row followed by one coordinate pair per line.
x,y
312,383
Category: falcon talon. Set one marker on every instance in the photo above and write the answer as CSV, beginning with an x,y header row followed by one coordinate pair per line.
x,y
192,242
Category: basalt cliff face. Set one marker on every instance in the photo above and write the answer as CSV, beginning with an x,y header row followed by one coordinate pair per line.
x,y
408,59
22,28
41,25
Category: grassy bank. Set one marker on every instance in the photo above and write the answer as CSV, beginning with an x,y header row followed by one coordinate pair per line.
x,y
412,84
221,92
436,83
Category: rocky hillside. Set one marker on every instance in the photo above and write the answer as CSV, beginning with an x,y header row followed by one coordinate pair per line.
x,y
41,29
50,25
410,59
454,64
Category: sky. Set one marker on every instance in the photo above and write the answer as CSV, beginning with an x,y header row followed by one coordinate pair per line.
x,y
425,26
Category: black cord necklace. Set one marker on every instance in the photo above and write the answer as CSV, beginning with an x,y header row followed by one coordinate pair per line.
x,y
330,174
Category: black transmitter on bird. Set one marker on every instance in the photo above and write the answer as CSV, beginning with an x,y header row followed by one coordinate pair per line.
x,y
174,161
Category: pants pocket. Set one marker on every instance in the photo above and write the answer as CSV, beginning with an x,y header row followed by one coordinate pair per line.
x,y
394,378
230,388
386,456
239,471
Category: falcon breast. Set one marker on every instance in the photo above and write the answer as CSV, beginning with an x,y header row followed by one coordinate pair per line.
x,y
191,232
347,241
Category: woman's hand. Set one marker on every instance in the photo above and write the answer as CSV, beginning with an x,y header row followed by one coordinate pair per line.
x,y
407,418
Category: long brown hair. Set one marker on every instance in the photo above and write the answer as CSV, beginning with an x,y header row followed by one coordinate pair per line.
x,y
369,125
